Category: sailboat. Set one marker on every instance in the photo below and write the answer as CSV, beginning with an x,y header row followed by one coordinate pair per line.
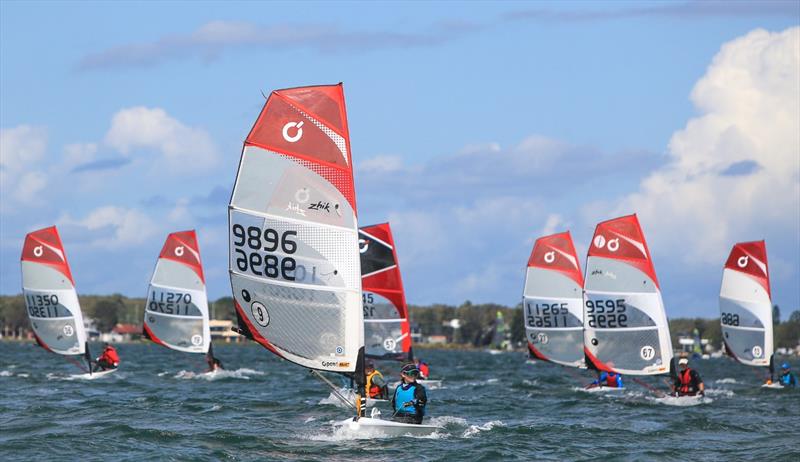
x,y
293,231
553,302
51,299
176,314
387,331
626,328
746,308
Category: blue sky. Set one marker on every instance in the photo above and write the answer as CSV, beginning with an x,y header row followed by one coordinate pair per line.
x,y
475,128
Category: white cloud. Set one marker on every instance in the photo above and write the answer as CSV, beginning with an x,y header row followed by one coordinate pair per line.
x,y
28,187
183,148
79,153
21,145
381,164
114,226
553,224
749,100
21,150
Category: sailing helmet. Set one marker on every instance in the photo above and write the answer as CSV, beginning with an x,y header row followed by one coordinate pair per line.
x,y
683,361
785,366
410,370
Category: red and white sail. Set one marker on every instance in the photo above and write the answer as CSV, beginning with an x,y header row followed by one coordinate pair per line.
x,y
745,305
626,326
294,260
387,333
176,314
553,301
50,296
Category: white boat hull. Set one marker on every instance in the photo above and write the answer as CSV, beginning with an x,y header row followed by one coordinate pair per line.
x,y
379,427
774,385
94,375
604,389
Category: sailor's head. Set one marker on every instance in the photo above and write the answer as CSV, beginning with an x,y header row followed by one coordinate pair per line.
x,y
369,366
409,372
683,363
416,361
785,366
106,345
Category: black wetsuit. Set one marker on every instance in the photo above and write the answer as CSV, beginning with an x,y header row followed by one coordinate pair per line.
x,y
414,412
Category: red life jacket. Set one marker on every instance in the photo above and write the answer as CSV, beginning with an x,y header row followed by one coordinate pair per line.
x,y
612,380
423,370
110,355
685,378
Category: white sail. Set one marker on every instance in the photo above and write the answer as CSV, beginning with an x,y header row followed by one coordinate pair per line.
x,y
176,314
50,296
626,326
553,301
745,305
294,260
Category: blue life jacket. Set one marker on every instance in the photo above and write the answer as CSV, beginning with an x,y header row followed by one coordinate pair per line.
x,y
788,379
404,393
609,379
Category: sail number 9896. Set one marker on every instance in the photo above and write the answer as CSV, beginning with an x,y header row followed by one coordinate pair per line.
x,y
249,257
606,313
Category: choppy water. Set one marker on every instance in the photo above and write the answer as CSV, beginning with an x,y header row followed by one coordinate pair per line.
x,y
492,407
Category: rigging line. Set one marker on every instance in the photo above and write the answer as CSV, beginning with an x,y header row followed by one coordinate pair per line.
x,y
335,391
656,391
76,363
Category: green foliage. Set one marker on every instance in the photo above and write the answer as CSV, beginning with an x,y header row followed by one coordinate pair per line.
x,y
108,310
12,312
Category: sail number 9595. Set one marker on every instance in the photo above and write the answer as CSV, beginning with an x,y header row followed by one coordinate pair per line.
x,y
251,241
606,313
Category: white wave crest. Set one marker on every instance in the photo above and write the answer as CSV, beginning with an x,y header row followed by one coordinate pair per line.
x,y
242,374
475,429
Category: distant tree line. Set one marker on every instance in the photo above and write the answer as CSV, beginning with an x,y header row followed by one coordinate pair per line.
x,y
109,310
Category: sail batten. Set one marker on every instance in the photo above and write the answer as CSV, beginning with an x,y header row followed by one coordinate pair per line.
x,y
746,306
293,234
553,301
626,327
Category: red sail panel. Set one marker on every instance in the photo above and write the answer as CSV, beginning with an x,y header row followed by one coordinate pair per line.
x,y
622,239
44,246
182,247
557,253
388,282
750,258
309,125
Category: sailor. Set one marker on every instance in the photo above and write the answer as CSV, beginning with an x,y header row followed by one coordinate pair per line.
x,y
214,364
688,381
409,397
422,366
608,379
787,379
109,359
376,385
